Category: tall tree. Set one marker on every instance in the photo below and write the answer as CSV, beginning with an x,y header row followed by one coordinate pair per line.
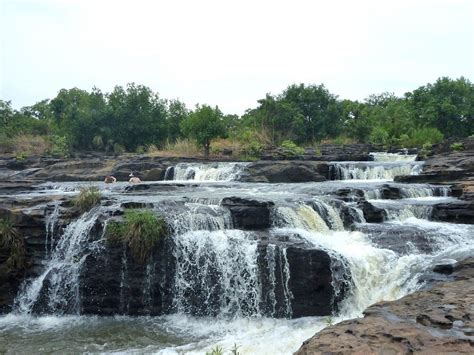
x,y
204,124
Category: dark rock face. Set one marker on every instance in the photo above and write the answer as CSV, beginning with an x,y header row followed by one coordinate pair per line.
x,y
435,321
454,212
248,214
113,283
311,283
372,214
31,229
349,194
284,171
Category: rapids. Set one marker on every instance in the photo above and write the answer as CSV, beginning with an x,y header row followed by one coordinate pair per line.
x,y
218,294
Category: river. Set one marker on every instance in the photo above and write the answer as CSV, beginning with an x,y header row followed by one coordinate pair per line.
x,y
218,296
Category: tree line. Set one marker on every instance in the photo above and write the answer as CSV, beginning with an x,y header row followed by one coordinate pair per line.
x,y
133,117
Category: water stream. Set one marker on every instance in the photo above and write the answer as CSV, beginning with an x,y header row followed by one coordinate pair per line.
x,y
230,286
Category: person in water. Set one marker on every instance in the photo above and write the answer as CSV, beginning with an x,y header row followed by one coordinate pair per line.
x,y
134,179
109,179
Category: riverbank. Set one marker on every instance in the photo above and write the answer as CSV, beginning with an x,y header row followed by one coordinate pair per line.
x,y
437,320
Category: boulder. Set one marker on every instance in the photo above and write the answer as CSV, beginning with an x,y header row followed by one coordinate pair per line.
x,y
284,172
372,214
248,214
454,212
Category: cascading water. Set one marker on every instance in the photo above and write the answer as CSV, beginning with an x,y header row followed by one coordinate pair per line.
x,y
372,170
59,282
387,157
227,286
205,172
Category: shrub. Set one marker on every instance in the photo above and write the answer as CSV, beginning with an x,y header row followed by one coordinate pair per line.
x,y
217,350
290,148
426,135
179,148
379,136
59,147
457,146
10,239
251,146
21,156
140,231
119,149
140,149
98,142
28,145
87,198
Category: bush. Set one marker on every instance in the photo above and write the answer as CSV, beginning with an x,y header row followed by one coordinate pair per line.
x,y
290,148
98,142
251,146
87,198
140,231
379,136
421,136
457,147
217,350
59,147
10,239
119,149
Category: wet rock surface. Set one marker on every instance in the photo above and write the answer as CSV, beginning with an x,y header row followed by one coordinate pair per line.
x,y
433,321
448,167
284,171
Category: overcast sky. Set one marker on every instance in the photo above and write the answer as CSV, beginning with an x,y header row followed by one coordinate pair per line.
x,y
231,53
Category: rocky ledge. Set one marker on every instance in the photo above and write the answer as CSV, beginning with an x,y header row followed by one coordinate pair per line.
x,y
433,321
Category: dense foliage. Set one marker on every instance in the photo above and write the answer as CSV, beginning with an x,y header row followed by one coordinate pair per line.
x,y
133,118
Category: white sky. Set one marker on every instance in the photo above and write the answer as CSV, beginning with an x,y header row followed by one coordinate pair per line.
x,y
231,53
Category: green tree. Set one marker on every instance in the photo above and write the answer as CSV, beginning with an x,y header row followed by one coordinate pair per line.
x,y
204,124
177,113
447,105
320,111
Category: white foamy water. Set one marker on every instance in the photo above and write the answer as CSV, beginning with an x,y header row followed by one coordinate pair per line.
x,y
218,270
373,170
205,172
391,157
62,270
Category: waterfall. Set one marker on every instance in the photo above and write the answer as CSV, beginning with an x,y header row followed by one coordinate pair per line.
x,y
195,216
205,172
372,171
414,191
51,221
390,157
302,216
59,282
216,274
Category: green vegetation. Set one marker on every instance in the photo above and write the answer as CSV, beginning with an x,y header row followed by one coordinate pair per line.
x,y
11,240
217,350
87,198
457,146
204,124
133,118
291,149
140,231
329,321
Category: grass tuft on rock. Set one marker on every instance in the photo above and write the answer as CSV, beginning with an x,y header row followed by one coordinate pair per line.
x,y
88,197
12,241
140,230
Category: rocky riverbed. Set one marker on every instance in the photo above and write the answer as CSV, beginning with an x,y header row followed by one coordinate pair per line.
x,y
278,239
